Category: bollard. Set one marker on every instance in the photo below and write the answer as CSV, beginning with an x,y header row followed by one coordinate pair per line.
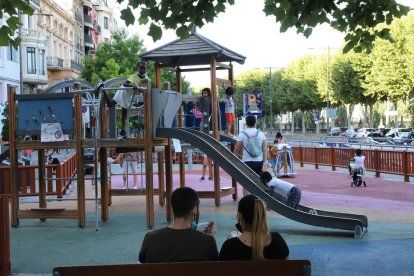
x,y
5,264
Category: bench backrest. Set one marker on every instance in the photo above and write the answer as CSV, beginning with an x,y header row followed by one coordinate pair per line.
x,y
239,268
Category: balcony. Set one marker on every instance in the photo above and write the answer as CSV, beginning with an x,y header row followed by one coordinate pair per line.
x,y
75,66
89,41
54,63
87,20
96,27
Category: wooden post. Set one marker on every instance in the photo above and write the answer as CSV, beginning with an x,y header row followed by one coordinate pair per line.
x,y
168,180
161,196
148,156
14,189
233,181
405,166
301,157
333,159
376,163
214,116
80,164
42,184
180,124
102,159
5,264
316,158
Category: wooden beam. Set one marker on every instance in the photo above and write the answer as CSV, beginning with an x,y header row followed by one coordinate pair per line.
x,y
215,111
13,156
80,164
5,264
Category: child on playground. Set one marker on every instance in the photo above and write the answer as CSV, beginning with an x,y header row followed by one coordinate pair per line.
x,y
128,160
357,164
124,97
286,189
229,110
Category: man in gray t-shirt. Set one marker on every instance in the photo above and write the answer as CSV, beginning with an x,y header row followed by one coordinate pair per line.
x,y
181,242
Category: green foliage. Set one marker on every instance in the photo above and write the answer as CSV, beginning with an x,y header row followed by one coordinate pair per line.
x,y
179,15
117,58
5,121
8,31
356,18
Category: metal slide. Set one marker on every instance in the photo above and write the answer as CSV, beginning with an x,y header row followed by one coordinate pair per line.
x,y
250,181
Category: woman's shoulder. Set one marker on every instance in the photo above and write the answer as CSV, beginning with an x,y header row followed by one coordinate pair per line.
x,y
277,238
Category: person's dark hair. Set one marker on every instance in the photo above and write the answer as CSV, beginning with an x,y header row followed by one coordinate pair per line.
x,y
229,91
279,135
250,120
206,90
253,212
358,152
142,69
265,177
183,200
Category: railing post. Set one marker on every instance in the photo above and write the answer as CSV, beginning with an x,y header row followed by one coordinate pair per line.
x,y
333,158
316,158
405,166
376,163
301,156
5,264
59,180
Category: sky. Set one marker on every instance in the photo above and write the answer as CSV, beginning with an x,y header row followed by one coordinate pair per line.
x,y
245,29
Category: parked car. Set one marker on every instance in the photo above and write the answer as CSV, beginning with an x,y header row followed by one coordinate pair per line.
x,y
364,132
337,131
400,132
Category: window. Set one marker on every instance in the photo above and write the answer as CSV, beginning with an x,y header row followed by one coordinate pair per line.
x,y
11,53
106,23
31,60
42,62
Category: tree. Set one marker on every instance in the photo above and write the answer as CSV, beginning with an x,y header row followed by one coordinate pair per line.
x,y
5,121
117,58
8,31
356,18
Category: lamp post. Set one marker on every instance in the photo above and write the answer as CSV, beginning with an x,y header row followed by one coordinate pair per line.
x,y
270,95
327,96
328,105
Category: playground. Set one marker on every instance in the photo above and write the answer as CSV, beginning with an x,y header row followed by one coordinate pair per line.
x,y
37,247
98,222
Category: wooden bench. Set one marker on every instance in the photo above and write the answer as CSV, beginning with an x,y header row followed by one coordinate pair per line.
x,y
239,268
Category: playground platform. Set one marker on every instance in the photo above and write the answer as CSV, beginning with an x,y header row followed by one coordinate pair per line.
x,y
386,249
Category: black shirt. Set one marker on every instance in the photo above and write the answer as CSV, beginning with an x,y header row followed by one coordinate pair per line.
x,y
235,249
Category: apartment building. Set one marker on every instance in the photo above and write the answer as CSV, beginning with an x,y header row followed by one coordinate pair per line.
x,y
64,40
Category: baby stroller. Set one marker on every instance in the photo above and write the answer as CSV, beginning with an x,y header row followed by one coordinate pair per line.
x,y
357,174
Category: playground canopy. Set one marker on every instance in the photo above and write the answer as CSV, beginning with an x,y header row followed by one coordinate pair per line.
x,y
195,49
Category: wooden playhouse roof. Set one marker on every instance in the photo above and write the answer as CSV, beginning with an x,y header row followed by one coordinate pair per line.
x,y
195,49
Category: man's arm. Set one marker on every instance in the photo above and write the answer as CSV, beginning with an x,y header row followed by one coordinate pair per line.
x,y
238,148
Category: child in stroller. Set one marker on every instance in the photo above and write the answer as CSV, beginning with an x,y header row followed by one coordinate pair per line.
x,y
356,168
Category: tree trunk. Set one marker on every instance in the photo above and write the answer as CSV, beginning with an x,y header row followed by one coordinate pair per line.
x,y
396,116
365,115
371,115
303,122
